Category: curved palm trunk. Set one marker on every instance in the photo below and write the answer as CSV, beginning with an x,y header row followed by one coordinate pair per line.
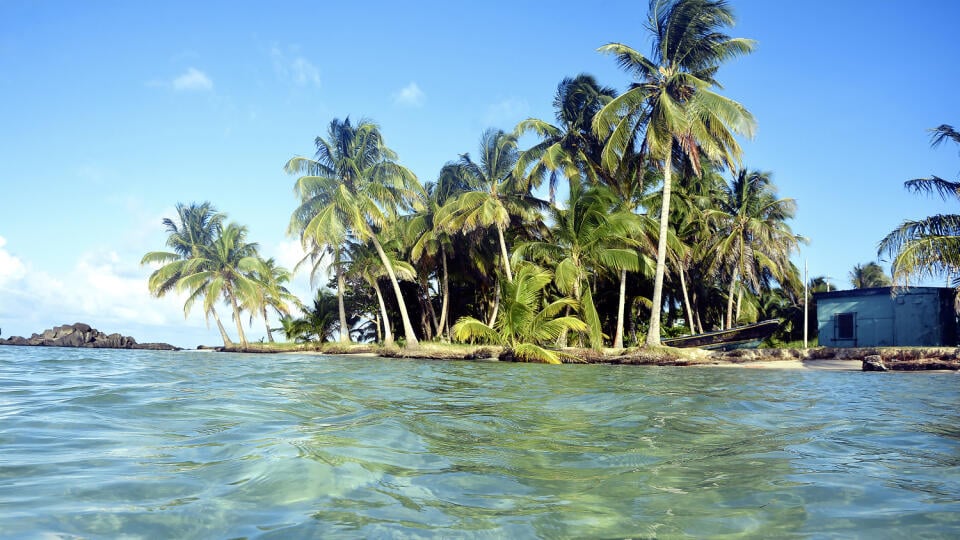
x,y
496,306
621,305
236,318
408,332
428,305
341,287
387,332
445,286
505,254
653,335
223,332
266,322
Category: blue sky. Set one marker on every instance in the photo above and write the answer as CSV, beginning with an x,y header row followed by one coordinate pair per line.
x,y
112,112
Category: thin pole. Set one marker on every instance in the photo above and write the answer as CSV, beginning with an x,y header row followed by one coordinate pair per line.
x,y
806,303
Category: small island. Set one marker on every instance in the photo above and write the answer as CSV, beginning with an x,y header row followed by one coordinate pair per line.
x,y
83,335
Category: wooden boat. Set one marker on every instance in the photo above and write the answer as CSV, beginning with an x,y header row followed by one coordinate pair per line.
x,y
742,337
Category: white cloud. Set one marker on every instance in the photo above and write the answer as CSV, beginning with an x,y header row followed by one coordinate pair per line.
x,y
295,68
12,268
506,112
409,96
192,79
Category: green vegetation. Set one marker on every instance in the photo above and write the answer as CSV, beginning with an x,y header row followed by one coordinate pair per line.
x,y
929,247
660,230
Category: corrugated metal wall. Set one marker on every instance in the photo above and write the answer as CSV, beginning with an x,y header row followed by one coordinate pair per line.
x,y
922,316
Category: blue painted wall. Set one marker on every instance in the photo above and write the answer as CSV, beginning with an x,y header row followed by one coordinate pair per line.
x,y
919,316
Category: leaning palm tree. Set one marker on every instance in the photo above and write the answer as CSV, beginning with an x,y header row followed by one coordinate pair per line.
x,y
752,236
929,247
224,270
353,187
197,225
365,265
869,275
672,107
526,323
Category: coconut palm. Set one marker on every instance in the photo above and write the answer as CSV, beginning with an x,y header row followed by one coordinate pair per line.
x,y
569,146
496,192
672,107
365,265
866,276
588,238
272,293
752,235
929,247
353,187
224,269
318,322
196,226
526,322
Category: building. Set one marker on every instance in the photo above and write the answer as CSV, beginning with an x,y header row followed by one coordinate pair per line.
x,y
884,317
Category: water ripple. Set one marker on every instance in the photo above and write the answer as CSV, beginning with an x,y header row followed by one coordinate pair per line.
x,y
102,444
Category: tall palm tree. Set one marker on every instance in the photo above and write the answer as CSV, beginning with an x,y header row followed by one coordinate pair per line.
x,y
672,107
354,186
224,269
496,192
752,235
588,238
197,225
869,275
526,323
928,247
365,265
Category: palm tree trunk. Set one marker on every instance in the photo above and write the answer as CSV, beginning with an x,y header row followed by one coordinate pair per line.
x,y
621,305
266,322
442,326
733,284
686,300
408,333
236,317
429,305
736,318
387,333
341,287
653,334
223,331
505,254
496,305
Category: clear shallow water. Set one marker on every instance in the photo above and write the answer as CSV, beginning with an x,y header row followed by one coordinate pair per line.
x,y
106,444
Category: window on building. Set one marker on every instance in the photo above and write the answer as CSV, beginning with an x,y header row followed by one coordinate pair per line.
x,y
846,326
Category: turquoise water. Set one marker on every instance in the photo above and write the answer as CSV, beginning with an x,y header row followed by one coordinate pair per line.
x,y
107,444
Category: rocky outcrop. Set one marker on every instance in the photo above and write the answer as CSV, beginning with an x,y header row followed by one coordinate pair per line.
x,y
83,335
874,362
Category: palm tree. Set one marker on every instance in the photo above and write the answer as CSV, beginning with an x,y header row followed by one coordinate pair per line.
x,y
526,323
570,145
869,275
672,106
272,293
588,238
196,226
365,265
496,193
752,235
224,269
353,187
928,247
318,322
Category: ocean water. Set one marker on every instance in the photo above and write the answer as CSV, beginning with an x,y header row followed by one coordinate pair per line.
x,y
142,444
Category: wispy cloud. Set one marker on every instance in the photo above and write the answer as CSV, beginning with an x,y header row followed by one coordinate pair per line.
x,y
192,80
11,267
506,112
409,96
294,67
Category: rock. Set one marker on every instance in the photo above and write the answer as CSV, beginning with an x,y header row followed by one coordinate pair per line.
x,y
83,335
874,362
